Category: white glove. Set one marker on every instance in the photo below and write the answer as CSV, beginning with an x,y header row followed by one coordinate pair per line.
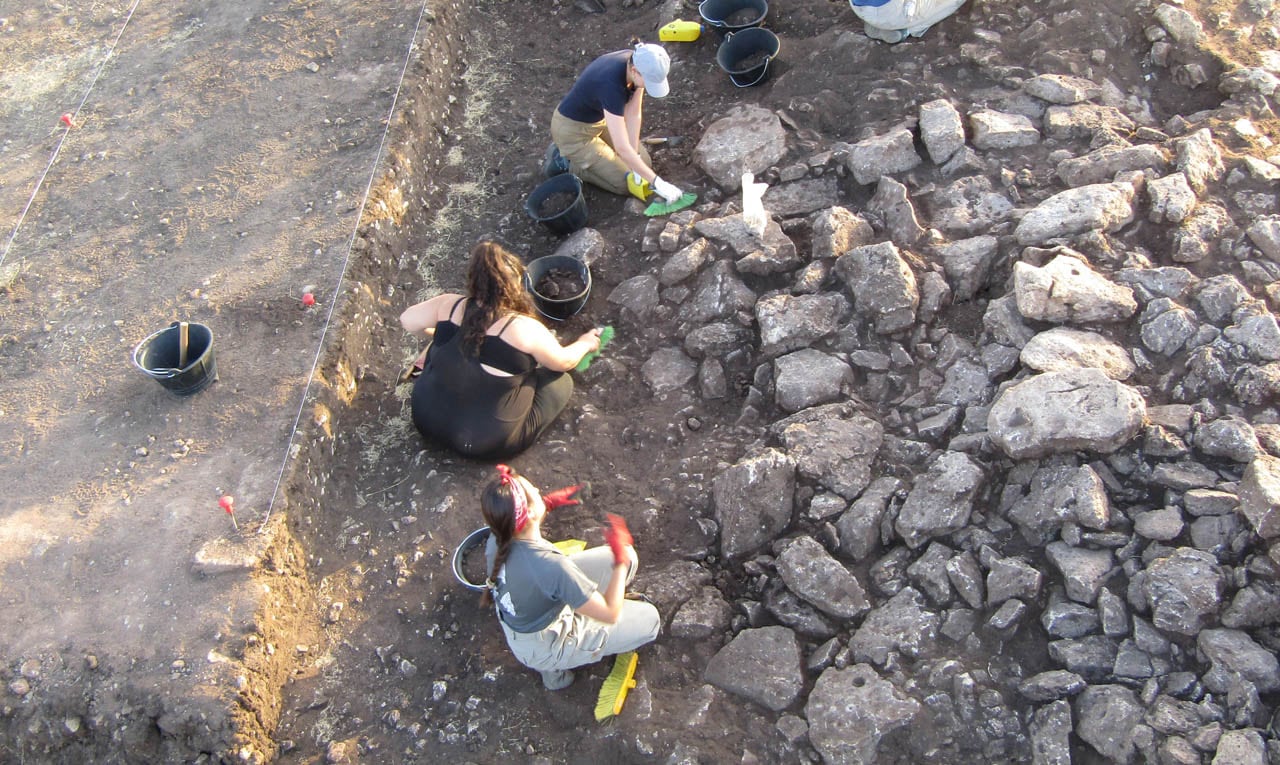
x,y
668,192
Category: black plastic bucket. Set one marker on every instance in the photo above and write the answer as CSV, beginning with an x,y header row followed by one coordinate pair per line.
x,y
738,47
472,545
715,14
559,307
565,221
179,357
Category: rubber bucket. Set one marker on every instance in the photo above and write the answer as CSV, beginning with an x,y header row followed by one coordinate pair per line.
x,y
567,220
179,357
738,47
474,543
715,13
559,307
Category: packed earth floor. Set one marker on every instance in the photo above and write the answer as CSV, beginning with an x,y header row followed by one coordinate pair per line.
x,y
972,454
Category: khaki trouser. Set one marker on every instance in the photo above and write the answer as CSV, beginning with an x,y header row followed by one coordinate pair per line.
x,y
573,640
590,153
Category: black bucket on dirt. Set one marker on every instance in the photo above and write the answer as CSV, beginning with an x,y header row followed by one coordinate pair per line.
x,y
746,56
470,555
728,16
559,307
179,357
567,219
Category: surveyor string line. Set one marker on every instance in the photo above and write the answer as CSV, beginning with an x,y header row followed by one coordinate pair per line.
x,y
66,129
342,274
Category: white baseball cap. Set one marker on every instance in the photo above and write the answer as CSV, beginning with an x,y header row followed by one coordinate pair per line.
x,y
653,63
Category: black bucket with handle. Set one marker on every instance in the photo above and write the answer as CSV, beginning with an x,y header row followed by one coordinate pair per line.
x,y
558,307
567,219
179,357
746,55
729,16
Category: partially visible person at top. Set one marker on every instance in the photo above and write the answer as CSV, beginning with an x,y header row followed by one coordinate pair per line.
x,y
596,127
558,611
893,21
494,377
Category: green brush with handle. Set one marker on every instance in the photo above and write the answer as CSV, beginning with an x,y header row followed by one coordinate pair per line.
x,y
606,334
665,191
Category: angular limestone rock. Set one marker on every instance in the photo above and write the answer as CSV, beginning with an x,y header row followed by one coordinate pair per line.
x,y
1058,412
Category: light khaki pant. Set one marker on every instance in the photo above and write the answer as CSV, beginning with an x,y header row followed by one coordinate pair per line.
x,y
573,640
590,153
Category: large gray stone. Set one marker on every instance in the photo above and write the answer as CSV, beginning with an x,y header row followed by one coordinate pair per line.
x,y
850,710
704,616
1001,130
1165,327
802,197
1083,571
1231,437
809,377
762,665
835,451
1234,654
1172,199
1062,348
891,204
941,130
749,139
941,499
893,152
903,624
1102,165
1257,331
1181,25
668,369
859,526
1265,235
1202,234
1067,290
1084,120
1240,747
812,574
1061,88
1107,716
753,500
1199,159
969,206
968,264
1183,590
837,230
788,322
1096,207
1059,412
1051,734
719,294
1259,494
882,284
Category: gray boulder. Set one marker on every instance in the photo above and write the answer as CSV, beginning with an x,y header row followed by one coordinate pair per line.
x,y
814,576
1096,207
791,322
1199,159
835,450
1084,121
850,710
749,139
859,526
882,284
903,625
809,377
1202,234
1183,590
802,197
1102,165
891,204
1233,654
1084,571
1165,327
1260,496
1059,412
703,616
969,206
1265,235
1001,130
837,230
893,152
762,665
1240,747
968,264
752,500
1062,348
941,499
719,294
1230,437
1107,718
685,262
668,369
1051,734
1061,88
941,129
1067,290
1172,199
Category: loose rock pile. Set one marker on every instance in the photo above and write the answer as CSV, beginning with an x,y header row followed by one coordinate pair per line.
x,y
1017,477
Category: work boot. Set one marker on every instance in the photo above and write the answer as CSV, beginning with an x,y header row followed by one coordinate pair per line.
x,y
553,162
557,679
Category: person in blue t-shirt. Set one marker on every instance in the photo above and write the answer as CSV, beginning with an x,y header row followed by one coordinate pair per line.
x,y
596,127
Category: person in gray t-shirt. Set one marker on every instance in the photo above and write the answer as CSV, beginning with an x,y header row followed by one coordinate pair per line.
x,y
558,611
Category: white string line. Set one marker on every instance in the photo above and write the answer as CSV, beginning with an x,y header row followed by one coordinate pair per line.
x,y
342,276
67,130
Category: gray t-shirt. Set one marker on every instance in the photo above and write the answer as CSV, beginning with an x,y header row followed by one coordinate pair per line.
x,y
536,583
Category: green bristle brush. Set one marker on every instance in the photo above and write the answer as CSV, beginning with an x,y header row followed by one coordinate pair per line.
x,y
659,207
606,334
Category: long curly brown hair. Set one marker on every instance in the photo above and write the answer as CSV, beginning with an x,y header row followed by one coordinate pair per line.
x,y
495,285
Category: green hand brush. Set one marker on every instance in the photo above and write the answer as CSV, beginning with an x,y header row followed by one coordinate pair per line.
x,y
613,693
659,207
606,335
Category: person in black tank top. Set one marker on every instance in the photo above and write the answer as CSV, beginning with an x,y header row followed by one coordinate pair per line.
x,y
494,377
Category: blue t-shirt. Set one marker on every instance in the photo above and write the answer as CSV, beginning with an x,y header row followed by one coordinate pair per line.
x,y
602,87
536,583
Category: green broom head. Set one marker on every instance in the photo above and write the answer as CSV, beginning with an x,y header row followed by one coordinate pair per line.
x,y
659,207
606,334
613,693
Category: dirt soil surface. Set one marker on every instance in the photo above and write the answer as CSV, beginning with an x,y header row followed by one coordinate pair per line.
x,y
226,158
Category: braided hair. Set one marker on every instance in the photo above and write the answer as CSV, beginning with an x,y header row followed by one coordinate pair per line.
x,y
495,284
499,508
